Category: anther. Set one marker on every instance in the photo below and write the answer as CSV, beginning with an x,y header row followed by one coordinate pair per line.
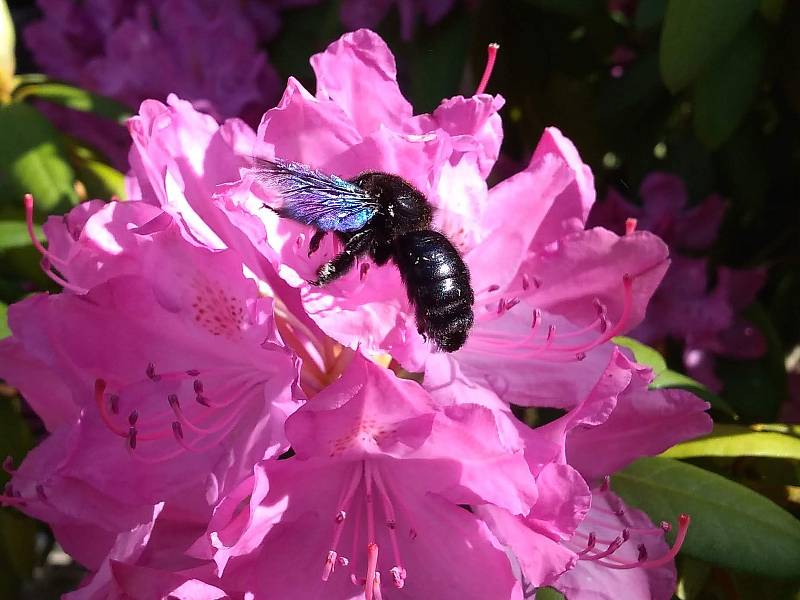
x,y
150,371
193,372
493,288
580,356
198,386
501,306
132,438
113,402
606,485
362,272
40,492
133,417
340,516
642,552
512,303
177,430
526,282
330,565
537,318
412,534
343,560
630,226
173,401
202,400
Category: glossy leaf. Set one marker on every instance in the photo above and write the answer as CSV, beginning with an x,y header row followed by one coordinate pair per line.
x,y
74,98
724,92
695,33
100,179
739,440
732,525
33,160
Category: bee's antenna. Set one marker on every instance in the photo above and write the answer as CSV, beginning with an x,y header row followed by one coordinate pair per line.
x,y
491,57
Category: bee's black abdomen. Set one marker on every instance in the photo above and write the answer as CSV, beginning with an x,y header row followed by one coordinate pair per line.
x,y
438,285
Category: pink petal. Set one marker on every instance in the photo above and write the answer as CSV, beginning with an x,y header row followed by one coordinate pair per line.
x,y
358,72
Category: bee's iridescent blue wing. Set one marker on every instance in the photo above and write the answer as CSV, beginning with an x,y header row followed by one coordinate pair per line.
x,y
308,196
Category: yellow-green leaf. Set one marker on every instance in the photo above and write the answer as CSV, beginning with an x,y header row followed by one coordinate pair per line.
x,y
739,440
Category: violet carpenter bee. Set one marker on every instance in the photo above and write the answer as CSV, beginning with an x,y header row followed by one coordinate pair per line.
x,y
384,217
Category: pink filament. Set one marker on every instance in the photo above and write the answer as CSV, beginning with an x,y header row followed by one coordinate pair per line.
x,y
491,52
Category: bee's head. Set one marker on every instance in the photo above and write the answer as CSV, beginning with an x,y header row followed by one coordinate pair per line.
x,y
402,206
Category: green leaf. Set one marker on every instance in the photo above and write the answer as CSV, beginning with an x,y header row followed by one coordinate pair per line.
x,y
724,92
731,526
4,330
74,98
693,575
642,353
7,56
100,179
548,593
738,440
695,33
14,234
32,160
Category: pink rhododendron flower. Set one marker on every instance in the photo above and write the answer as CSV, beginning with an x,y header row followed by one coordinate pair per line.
x,y
686,306
159,373
372,498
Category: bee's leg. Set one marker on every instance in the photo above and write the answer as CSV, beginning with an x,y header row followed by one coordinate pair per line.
x,y
313,245
381,253
343,262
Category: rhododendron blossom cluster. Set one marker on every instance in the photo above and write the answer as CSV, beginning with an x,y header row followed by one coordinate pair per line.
x,y
218,427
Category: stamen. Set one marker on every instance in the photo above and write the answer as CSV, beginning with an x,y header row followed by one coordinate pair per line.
x,y
362,272
491,52
377,589
330,565
372,567
341,515
99,391
683,525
